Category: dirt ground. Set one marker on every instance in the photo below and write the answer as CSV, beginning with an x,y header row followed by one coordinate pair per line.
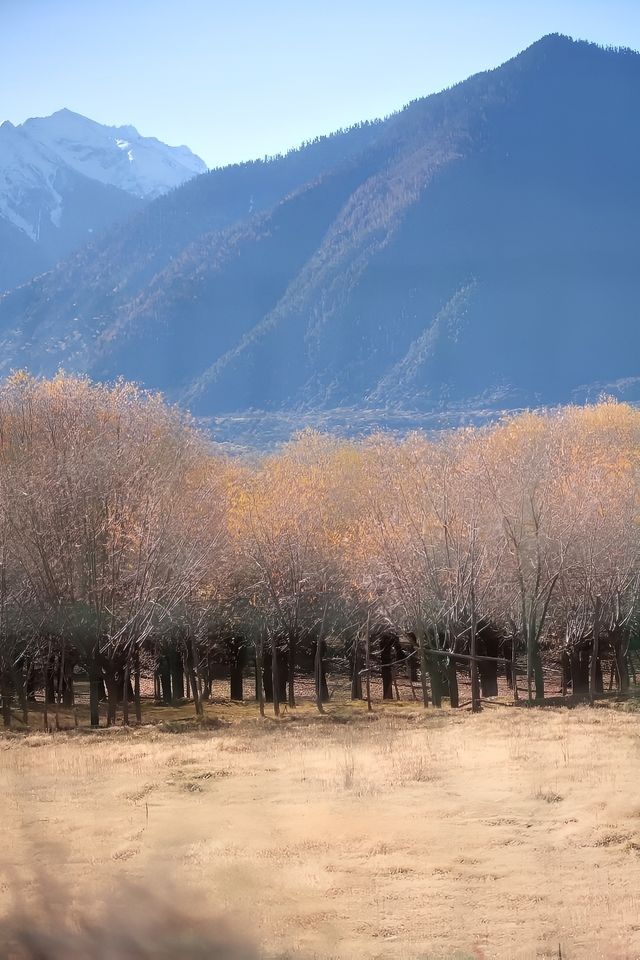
x,y
436,834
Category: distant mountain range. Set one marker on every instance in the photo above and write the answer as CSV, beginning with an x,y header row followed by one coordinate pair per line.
x,y
64,177
476,251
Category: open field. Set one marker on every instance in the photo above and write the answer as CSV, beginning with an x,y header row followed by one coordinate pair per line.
x,y
405,834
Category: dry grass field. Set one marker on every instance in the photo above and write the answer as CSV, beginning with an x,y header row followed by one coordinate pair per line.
x,y
408,834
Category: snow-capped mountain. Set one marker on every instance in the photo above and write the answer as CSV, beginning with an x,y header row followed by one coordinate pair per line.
x,y
119,156
65,177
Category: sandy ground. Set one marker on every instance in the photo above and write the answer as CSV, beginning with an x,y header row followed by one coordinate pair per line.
x,y
512,834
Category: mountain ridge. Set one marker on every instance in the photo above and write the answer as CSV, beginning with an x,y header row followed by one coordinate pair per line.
x,y
422,261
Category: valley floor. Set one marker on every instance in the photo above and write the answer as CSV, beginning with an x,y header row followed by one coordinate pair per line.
x,y
512,834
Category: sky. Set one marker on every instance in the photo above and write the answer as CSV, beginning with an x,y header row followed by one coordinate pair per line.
x,y
240,79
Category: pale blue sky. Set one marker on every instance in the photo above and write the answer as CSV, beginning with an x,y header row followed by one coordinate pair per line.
x,y
238,79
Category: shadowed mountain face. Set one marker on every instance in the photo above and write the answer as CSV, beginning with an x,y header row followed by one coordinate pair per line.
x,y
477,250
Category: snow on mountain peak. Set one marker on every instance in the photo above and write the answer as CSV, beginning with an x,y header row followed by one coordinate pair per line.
x,y
66,163
145,168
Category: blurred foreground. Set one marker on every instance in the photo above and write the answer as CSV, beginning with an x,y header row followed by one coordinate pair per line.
x,y
138,926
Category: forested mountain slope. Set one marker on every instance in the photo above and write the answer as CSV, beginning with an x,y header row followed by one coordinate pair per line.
x,y
477,249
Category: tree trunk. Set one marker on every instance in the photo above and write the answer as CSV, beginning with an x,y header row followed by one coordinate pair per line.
x,y
267,675
324,686
514,667
176,669
236,681
45,709
275,679
535,676
291,674
259,673
423,668
622,667
193,677
433,667
68,695
508,672
488,670
386,657
476,705
490,641
368,666
595,650
125,696
56,701
50,681
136,687
356,676
452,676
164,671
58,693
95,689
207,678
413,666
322,694
631,666
120,683
599,677
565,666
236,653
579,661
6,698
538,675
24,702
507,653
112,697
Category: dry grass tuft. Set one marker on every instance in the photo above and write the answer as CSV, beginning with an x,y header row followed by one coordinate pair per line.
x,y
549,796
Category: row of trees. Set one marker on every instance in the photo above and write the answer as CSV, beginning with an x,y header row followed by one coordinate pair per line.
x,y
125,534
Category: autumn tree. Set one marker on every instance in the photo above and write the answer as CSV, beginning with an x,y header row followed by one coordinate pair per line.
x,y
92,479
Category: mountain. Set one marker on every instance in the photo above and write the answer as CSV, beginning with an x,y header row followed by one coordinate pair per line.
x,y
476,251
64,177
117,156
